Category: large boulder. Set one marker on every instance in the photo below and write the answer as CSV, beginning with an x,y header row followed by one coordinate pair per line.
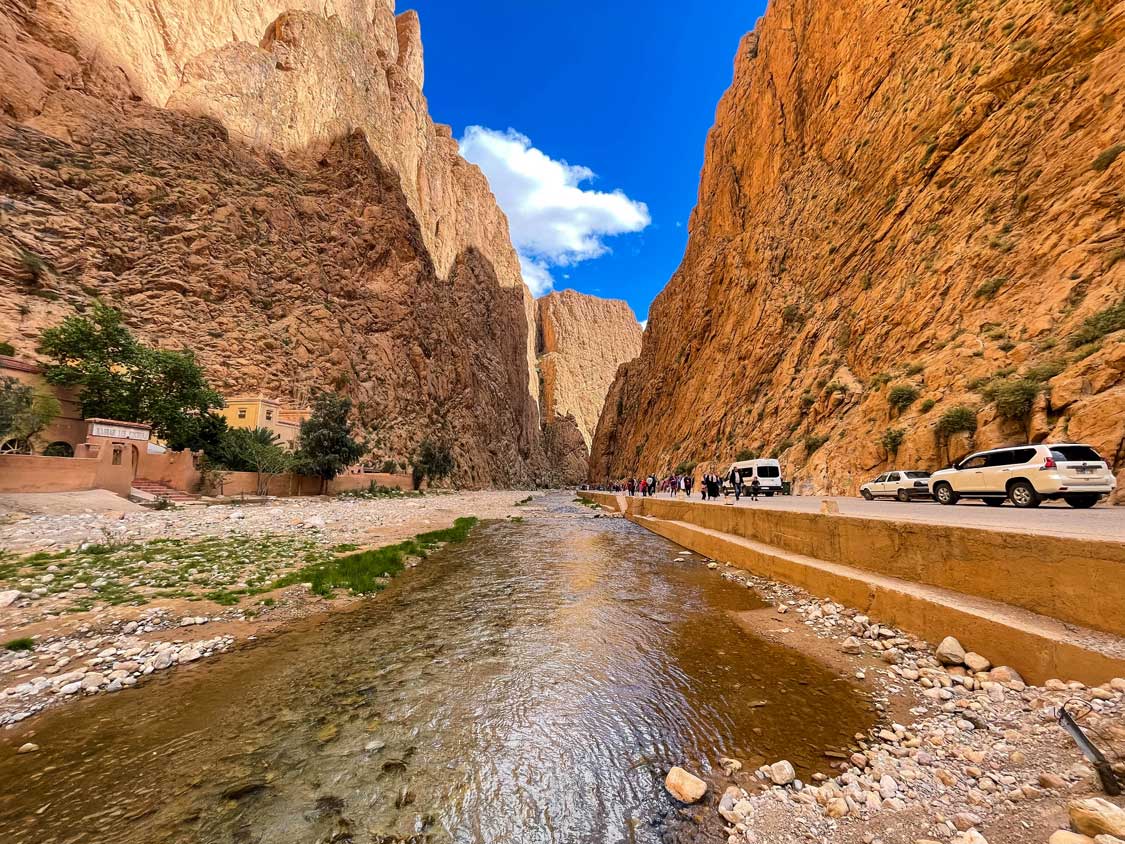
x,y
1097,816
950,652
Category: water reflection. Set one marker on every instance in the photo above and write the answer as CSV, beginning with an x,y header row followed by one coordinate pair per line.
x,y
531,685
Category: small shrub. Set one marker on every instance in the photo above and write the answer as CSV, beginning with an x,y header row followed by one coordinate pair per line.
x,y
902,396
1044,371
7,349
25,643
807,401
914,369
791,314
1106,157
880,380
782,447
957,420
744,454
927,405
891,440
990,288
1014,397
835,387
1100,324
687,467
813,442
390,467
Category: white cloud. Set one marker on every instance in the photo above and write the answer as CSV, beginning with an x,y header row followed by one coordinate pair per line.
x,y
554,221
644,324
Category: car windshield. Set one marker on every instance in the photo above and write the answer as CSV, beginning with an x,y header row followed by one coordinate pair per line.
x,y
1076,453
917,474
768,472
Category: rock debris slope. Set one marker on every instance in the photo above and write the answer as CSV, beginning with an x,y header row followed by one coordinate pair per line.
x,y
261,182
905,208
582,340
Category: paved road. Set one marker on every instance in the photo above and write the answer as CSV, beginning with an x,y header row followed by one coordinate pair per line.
x,y
1101,522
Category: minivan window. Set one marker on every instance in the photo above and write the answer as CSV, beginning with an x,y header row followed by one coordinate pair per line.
x,y
1077,453
769,472
913,475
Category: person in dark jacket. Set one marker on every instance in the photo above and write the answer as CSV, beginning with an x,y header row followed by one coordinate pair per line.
x,y
736,481
755,488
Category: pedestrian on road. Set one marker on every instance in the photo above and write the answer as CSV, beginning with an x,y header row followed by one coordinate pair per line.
x,y
736,482
755,488
632,485
689,482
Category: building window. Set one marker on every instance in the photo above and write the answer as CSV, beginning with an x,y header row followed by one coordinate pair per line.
x,y
242,413
269,415
117,456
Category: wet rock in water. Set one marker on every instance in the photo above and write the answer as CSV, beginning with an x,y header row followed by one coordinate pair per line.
x,y
685,787
782,773
950,652
1097,816
729,766
29,747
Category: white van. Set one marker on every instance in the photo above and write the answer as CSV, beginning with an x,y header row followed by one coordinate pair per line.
x,y
767,471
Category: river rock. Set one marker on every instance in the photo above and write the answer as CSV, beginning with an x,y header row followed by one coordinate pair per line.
x,y
29,747
1097,816
685,787
852,645
8,597
782,773
950,652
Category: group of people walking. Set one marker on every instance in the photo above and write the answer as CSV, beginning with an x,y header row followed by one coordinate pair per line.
x,y
710,485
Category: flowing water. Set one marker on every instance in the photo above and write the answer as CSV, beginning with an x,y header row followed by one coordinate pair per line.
x,y
532,684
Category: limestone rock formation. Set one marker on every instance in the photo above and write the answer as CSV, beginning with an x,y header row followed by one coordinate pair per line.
x,y
261,182
582,340
904,209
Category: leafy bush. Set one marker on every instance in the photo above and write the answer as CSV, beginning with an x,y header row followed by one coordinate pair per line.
x,y
990,288
433,462
880,380
807,401
835,387
743,454
892,438
1106,157
1044,371
687,467
390,467
24,414
813,442
7,349
791,314
1014,397
915,369
957,420
25,643
927,405
327,445
1100,324
902,396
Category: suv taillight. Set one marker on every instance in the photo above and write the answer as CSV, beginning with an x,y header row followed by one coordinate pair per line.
x,y
1050,464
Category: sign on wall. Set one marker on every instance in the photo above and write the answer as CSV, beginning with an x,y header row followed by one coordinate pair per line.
x,y
118,432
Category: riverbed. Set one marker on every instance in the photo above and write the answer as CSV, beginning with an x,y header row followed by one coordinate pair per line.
x,y
533,684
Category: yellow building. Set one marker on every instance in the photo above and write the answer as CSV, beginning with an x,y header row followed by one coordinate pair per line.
x,y
262,412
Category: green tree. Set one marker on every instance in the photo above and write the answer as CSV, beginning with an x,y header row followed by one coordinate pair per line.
x,y
327,444
24,414
120,378
433,462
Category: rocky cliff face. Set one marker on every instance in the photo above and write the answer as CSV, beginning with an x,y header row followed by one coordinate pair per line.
x,y
905,209
262,183
582,340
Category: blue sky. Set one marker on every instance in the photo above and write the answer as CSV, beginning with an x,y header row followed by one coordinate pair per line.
x,y
592,121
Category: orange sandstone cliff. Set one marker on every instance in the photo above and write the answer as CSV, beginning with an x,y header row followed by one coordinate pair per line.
x,y
909,225
582,340
261,183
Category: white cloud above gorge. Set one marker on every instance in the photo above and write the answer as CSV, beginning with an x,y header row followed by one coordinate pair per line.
x,y
554,221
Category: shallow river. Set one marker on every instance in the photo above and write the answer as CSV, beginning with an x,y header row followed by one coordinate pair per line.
x,y
530,685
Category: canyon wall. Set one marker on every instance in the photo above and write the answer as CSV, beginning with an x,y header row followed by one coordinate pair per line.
x,y
909,225
262,183
582,340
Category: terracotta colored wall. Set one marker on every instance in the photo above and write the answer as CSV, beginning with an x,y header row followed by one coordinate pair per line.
x,y
246,483
1073,580
93,470
175,468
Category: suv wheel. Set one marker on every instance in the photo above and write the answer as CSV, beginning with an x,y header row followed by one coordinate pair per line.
x,y
1082,501
903,496
944,494
1023,495
866,493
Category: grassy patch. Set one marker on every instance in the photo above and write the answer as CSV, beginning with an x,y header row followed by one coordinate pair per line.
x,y
902,396
1099,325
26,643
367,571
1106,157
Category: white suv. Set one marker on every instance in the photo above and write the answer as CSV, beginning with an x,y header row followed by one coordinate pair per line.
x,y
1028,475
901,485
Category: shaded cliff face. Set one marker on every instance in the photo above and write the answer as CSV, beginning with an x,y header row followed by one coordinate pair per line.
x,y
922,195
582,340
288,211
